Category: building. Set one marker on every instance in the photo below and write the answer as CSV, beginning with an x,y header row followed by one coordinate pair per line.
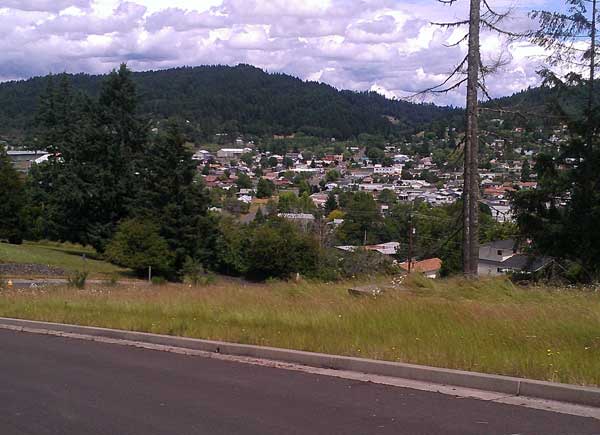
x,y
492,255
202,155
503,256
384,170
500,209
527,264
22,159
389,248
430,267
232,153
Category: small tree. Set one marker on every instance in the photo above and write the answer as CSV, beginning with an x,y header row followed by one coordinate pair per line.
x,y
279,249
331,203
243,181
265,188
332,175
526,171
304,186
388,197
137,244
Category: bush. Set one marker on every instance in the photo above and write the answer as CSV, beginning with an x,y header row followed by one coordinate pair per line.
x,y
137,244
194,274
279,249
78,279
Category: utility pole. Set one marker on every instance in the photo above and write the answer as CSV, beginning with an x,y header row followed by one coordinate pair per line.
x,y
471,179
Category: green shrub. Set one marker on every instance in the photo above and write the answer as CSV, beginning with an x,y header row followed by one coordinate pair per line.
x,y
78,279
279,249
137,244
193,272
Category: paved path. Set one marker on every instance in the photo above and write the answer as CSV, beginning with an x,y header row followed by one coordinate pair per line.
x,y
55,385
24,283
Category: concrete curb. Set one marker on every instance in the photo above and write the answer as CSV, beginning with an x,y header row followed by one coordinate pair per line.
x,y
587,396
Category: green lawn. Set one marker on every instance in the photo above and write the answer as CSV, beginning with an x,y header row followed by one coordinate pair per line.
x,y
64,256
487,326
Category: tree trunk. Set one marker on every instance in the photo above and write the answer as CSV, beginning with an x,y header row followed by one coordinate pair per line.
x,y
471,182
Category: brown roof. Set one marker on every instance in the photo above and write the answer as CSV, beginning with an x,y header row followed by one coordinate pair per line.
x,y
429,265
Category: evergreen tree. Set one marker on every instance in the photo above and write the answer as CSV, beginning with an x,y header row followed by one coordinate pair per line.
x,y
243,181
362,221
331,203
561,216
88,183
526,171
170,193
11,201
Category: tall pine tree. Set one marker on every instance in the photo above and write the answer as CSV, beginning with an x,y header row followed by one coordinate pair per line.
x,y
88,184
171,194
11,200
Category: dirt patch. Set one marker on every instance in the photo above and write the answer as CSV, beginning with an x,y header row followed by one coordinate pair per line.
x,y
22,269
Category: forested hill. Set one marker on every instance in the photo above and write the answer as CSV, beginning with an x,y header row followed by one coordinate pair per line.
x,y
541,105
241,99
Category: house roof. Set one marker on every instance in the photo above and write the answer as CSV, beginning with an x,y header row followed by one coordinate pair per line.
x,y
297,216
500,244
424,266
389,248
526,263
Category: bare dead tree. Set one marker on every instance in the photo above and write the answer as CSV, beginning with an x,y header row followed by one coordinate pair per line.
x,y
472,72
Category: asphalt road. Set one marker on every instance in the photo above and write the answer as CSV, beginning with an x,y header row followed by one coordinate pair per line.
x,y
54,385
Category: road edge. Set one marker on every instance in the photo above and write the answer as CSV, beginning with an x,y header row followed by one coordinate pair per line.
x,y
587,396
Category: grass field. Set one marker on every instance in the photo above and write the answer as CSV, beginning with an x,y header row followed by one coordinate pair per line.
x,y
64,256
487,326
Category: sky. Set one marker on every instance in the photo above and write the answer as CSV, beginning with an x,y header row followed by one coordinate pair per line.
x,y
388,46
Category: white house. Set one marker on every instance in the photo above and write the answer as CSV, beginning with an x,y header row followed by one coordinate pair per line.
x,y
384,170
492,255
230,153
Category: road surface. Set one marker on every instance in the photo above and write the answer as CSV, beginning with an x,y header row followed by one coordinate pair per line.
x,y
56,385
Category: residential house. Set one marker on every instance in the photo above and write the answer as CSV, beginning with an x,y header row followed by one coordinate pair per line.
x,y
231,153
319,199
492,255
430,267
389,248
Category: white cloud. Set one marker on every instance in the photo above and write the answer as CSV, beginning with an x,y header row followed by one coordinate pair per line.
x,y
388,46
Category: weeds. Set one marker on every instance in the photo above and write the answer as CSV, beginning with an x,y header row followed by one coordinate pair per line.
x,y
487,325
78,279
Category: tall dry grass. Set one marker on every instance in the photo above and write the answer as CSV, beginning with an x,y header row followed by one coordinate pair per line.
x,y
488,325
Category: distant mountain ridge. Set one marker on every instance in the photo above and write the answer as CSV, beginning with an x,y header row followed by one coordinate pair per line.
x,y
241,98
